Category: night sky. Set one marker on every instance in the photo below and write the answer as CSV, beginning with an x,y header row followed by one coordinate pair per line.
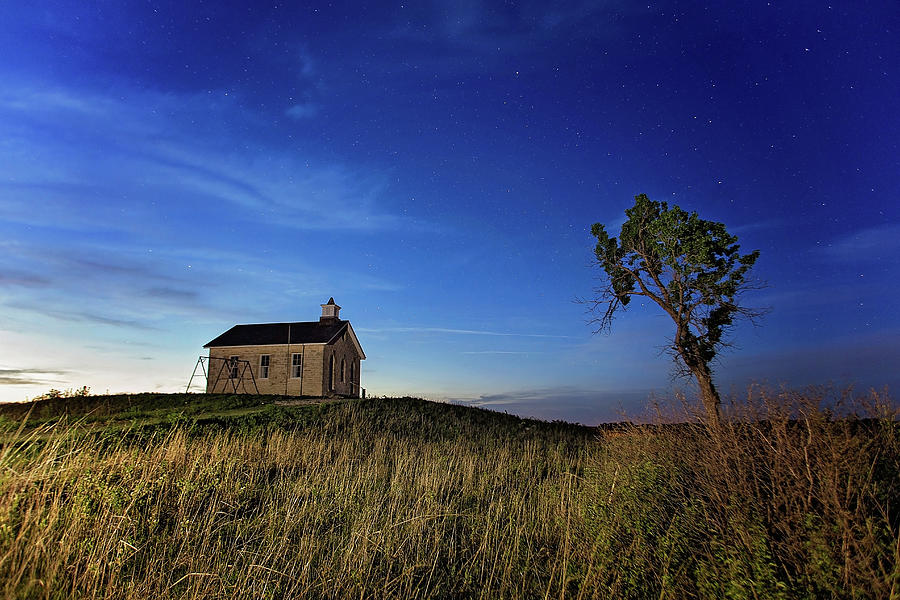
x,y
170,169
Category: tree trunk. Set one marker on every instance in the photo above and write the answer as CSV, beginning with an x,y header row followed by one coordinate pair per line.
x,y
708,393
691,355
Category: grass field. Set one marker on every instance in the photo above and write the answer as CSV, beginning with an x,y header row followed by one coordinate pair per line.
x,y
196,496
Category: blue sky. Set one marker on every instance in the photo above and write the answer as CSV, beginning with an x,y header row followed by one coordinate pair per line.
x,y
169,169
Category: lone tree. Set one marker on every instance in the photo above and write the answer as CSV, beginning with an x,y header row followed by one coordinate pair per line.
x,y
691,268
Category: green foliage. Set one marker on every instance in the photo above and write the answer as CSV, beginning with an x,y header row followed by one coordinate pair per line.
x,y
689,266
54,393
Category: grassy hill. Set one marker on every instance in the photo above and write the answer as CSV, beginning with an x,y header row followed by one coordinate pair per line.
x,y
142,413
221,496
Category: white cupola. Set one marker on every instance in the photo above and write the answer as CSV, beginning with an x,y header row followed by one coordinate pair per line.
x,y
330,311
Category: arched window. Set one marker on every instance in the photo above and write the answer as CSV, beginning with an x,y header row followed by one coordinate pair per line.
x,y
343,371
331,372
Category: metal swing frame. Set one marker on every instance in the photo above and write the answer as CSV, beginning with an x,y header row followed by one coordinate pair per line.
x,y
206,364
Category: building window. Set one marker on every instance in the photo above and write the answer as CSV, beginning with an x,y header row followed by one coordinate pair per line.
x,y
352,371
331,372
296,366
263,366
233,367
343,371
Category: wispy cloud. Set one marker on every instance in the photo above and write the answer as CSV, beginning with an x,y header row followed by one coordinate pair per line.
x,y
501,352
303,110
23,279
307,64
758,225
308,79
481,25
881,242
579,405
118,194
115,285
103,284
457,332
80,316
29,376
171,293
140,150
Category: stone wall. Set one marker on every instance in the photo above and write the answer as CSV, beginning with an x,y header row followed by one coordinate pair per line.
x,y
315,380
343,349
279,380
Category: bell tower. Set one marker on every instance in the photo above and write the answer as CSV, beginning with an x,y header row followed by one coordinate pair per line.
x,y
330,312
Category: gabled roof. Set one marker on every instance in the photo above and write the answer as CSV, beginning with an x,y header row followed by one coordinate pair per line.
x,y
305,332
309,332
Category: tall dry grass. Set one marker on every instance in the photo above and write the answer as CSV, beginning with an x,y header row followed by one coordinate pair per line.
x,y
785,501
796,496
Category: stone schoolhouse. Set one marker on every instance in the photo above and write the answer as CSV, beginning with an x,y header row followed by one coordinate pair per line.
x,y
313,358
